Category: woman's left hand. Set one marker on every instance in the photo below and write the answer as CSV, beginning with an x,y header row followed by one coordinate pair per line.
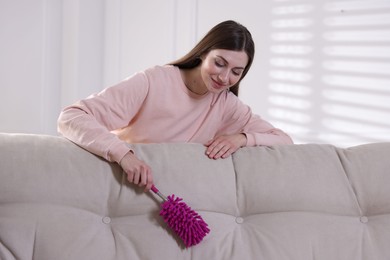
x,y
224,145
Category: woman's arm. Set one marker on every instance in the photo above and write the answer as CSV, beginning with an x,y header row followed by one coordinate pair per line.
x,y
243,128
89,122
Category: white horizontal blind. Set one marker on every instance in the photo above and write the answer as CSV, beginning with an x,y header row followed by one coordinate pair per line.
x,y
330,70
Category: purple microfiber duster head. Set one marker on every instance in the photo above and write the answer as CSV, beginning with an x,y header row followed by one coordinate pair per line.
x,y
184,221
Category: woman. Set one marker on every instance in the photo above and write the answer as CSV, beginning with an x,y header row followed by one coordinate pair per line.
x,y
193,99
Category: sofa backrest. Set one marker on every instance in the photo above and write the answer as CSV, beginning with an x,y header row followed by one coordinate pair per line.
x,y
58,201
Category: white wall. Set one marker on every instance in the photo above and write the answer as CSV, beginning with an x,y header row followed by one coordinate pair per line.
x,y
322,68
29,64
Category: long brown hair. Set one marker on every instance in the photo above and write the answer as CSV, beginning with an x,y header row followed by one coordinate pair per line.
x,y
227,35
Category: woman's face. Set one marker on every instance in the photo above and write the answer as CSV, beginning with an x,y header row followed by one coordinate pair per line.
x,y
221,69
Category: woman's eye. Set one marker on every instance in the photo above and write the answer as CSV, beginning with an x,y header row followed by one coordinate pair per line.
x,y
237,73
219,63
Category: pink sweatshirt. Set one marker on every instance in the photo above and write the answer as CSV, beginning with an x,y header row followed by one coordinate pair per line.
x,y
155,106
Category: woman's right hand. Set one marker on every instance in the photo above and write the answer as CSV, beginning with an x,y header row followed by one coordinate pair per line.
x,y
138,172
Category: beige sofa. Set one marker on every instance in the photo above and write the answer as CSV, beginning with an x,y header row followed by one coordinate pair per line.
x,y
301,202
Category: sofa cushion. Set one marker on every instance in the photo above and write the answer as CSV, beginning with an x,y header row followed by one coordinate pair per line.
x,y
311,201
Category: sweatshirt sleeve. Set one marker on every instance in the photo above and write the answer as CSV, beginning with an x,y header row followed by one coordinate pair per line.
x,y
261,132
240,119
89,122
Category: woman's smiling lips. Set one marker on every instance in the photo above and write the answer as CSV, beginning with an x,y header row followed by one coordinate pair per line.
x,y
217,84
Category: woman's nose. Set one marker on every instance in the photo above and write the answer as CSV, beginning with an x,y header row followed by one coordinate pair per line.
x,y
224,76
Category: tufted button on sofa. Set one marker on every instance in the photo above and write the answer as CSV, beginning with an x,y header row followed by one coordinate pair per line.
x,y
309,201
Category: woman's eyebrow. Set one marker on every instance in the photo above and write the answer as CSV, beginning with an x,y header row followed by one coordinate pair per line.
x,y
241,68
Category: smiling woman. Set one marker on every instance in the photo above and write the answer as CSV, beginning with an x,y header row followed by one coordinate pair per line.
x,y
228,35
218,71
193,100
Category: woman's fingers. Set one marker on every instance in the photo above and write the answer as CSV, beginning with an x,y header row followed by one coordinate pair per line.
x,y
138,172
224,146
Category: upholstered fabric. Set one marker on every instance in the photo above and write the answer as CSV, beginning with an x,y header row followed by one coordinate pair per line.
x,y
311,201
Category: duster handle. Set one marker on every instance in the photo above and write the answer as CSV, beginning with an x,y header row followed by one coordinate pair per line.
x,y
156,191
